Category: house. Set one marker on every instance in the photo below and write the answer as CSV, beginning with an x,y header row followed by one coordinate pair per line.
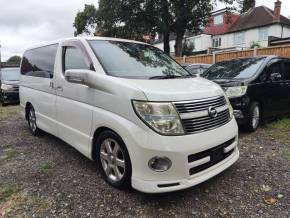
x,y
229,31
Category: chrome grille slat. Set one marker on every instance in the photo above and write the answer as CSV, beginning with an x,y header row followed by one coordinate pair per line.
x,y
193,114
194,106
197,124
206,118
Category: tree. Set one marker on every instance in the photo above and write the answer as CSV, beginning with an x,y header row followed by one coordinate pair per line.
x,y
133,19
85,20
246,5
14,60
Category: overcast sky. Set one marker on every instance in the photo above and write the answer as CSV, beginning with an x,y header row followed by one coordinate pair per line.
x,y
28,22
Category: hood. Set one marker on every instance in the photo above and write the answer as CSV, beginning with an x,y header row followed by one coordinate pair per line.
x,y
7,82
176,89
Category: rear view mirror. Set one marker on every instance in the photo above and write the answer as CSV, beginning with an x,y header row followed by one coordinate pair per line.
x,y
275,77
78,76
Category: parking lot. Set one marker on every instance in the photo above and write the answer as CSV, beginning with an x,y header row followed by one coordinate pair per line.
x,y
45,177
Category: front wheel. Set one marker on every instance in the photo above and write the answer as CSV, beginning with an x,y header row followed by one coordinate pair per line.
x,y
113,160
254,119
32,122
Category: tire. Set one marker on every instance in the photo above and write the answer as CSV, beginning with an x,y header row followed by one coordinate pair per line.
x,y
32,122
113,160
255,118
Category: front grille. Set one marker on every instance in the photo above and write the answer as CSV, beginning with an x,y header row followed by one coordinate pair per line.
x,y
195,115
216,155
198,124
200,105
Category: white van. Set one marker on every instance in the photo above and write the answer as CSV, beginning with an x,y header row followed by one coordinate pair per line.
x,y
128,106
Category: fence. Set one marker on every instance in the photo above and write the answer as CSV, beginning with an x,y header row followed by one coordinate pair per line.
x,y
283,51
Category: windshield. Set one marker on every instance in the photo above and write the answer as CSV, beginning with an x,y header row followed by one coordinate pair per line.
x,y
10,74
134,60
234,69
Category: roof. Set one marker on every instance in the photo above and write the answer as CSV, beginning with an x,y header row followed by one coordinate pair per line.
x,y
85,38
257,17
229,20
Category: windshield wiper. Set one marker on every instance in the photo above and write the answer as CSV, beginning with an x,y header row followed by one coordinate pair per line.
x,y
169,76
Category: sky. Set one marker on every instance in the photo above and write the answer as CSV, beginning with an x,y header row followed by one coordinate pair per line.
x,y
25,23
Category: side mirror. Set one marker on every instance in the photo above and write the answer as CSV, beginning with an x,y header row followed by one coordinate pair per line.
x,y
275,77
78,76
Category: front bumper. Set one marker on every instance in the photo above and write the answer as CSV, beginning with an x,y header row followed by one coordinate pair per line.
x,y
241,108
178,149
10,97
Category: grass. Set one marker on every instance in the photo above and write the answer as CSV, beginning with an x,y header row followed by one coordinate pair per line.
x,y
9,111
45,168
40,204
280,130
6,192
282,124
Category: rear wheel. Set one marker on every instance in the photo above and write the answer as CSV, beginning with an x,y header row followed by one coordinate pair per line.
x,y
113,160
32,122
254,119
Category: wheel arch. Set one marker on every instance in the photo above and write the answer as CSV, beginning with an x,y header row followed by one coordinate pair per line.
x,y
97,133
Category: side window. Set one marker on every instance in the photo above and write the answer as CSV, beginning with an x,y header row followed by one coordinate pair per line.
x,y
74,59
39,62
287,70
275,71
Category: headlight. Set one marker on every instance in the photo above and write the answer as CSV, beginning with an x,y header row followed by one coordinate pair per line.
x,y
6,87
234,92
162,117
231,110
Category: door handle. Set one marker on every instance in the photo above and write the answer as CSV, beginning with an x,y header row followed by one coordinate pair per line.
x,y
51,85
59,88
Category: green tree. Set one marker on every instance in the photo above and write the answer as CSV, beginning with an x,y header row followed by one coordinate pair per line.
x,y
245,5
85,20
133,19
14,60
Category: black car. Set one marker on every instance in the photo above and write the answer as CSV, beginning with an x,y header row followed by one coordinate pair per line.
x,y
9,85
258,87
197,69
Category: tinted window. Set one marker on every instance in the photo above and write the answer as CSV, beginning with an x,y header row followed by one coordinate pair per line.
x,y
275,68
39,62
135,60
10,74
234,69
287,70
74,59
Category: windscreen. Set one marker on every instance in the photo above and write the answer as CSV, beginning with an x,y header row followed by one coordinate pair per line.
x,y
135,60
234,69
10,74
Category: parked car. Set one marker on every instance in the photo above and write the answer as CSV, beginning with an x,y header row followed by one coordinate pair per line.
x,y
197,69
258,87
132,109
9,85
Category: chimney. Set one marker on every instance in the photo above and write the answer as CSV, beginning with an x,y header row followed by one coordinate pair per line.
x,y
277,11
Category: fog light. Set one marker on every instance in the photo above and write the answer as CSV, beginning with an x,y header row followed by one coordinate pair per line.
x,y
159,164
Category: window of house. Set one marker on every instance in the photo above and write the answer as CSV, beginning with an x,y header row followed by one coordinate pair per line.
x,y
263,33
239,38
218,19
216,42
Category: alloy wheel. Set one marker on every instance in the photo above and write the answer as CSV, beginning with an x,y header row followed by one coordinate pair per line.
x,y
256,117
32,120
112,159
